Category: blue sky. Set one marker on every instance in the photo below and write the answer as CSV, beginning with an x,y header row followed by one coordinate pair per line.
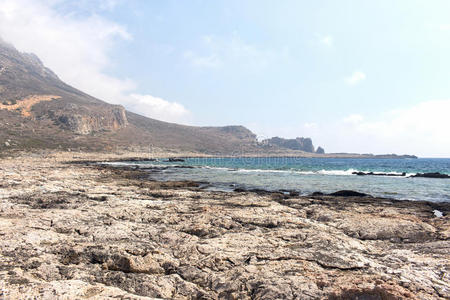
x,y
356,76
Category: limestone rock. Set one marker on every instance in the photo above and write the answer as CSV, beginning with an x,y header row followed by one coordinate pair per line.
x,y
59,239
111,119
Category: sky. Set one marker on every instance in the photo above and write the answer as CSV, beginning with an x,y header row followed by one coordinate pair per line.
x,y
355,76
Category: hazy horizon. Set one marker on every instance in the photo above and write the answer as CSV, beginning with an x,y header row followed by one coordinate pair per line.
x,y
354,76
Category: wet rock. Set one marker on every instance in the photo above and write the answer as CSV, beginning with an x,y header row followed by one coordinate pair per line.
x,y
378,174
431,175
348,193
175,160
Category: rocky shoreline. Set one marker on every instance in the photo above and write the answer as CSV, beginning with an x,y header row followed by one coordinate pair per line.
x,y
71,230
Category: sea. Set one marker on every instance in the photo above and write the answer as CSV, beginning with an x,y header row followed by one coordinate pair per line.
x,y
308,175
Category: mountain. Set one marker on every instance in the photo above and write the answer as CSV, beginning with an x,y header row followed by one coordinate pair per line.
x,y
38,110
302,144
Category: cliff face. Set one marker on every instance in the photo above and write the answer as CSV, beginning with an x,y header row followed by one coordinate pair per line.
x,y
300,143
111,119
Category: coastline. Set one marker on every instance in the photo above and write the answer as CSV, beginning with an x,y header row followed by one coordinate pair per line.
x,y
89,231
141,153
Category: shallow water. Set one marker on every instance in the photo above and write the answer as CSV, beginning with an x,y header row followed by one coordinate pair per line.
x,y
308,175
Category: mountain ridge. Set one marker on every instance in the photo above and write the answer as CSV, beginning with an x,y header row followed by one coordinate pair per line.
x,y
38,110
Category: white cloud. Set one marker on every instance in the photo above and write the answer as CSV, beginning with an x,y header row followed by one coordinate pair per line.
x,y
425,120
211,61
87,6
310,125
74,46
355,78
353,119
422,129
215,51
158,108
444,27
326,40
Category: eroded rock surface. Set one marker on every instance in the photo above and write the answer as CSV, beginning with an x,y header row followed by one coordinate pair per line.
x,y
76,231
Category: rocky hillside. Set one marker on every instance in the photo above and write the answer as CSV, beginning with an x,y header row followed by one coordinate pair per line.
x,y
38,110
26,84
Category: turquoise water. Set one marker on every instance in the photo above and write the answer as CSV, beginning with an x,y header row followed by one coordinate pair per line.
x,y
308,175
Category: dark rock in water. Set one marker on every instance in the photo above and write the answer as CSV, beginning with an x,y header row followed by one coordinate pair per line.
x,y
362,173
176,160
141,159
431,175
378,174
320,150
349,193
317,194
343,193
240,190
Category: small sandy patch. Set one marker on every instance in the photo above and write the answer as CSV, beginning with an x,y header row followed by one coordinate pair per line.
x,y
27,103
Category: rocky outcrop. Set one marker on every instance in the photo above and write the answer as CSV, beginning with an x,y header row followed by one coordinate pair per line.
x,y
300,143
110,119
320,150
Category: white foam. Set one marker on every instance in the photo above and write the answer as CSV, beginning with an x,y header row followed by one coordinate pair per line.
x,y
321,172
262,171
348,172
337,172
217,168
